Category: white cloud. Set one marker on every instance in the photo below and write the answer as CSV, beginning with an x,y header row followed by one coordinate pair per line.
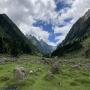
x,y
79,7
24,13
35,31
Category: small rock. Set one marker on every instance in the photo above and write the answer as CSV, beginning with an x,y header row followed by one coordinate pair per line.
x,y
38,69
87,53
49,75
76,66
31,72
87,66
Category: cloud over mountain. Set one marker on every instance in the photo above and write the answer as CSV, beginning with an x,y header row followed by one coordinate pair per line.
x,y
49,20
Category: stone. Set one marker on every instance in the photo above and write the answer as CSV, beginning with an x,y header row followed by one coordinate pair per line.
x,y
19,73
31,72
49,75
87,53
46,60
87,66
76,66
55,67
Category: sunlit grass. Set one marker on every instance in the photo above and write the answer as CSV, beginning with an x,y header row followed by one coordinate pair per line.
x,y
68,78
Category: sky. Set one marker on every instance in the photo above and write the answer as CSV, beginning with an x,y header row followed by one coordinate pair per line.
x,y
49,20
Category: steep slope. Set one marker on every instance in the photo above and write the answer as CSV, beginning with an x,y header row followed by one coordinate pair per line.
x,y
11,38
76,36
43,47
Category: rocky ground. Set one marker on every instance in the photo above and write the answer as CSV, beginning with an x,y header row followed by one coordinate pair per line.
x,y
40,73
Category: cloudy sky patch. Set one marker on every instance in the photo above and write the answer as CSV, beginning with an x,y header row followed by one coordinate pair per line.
x,y
49,20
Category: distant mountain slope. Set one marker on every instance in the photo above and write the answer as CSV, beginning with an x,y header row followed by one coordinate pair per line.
x,y
76,36
11,38
43,47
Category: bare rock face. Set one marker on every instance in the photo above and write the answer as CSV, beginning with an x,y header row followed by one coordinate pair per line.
x,y
19,73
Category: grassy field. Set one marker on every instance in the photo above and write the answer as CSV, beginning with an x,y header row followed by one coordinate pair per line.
x,y
74,74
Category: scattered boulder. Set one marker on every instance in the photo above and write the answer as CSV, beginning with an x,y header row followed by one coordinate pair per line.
x,y
49,61
56,58
38,70
46,60
87,66
55,67
76,66
87,53
35,71
65,60
49,75
19,73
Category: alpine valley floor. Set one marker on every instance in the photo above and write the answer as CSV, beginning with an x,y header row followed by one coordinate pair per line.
x,y
74,73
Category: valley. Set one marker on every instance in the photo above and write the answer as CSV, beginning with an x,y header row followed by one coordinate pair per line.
x,y
74,73
29,63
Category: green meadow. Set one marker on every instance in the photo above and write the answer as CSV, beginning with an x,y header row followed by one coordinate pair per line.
x,y
74,74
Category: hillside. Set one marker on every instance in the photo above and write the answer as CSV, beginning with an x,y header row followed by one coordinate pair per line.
x,y
43,47
78,38
12,39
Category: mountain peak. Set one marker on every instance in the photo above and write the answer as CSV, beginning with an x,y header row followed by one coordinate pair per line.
x,y
42,46
4,15
87,15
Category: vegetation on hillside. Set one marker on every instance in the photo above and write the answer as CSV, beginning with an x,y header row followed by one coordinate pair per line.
x,y
79,32
12,39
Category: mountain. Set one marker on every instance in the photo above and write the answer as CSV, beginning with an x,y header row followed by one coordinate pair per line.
x,y
12,39
47,49
78,38
42,46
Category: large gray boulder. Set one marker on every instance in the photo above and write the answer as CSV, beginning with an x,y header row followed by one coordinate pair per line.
x,y
19,73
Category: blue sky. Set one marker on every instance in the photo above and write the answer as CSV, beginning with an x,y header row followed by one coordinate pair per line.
x,y
60,4
49,20
49,27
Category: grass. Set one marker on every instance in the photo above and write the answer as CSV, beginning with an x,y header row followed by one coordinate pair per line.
x,y
67,79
